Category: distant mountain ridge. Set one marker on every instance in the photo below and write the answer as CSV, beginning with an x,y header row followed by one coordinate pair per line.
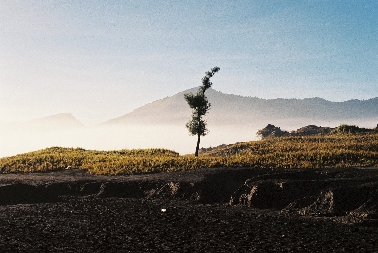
x,y
54,122
161,124
226,110
234,109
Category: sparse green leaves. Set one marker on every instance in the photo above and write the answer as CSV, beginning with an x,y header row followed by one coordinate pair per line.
x,y
196,126
200,105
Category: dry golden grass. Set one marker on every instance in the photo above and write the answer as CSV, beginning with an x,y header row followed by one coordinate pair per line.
x,y
311,152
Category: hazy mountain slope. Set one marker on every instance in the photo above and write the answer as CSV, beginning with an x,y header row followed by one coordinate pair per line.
x,y
229,109
161,124
59,120
169,110
55,122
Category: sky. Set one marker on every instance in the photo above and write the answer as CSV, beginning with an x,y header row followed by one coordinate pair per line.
x,y
101,59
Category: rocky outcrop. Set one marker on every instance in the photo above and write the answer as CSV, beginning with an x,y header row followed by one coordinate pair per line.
x,y
369,209
340,200
329,193
276,194
202,186
346,192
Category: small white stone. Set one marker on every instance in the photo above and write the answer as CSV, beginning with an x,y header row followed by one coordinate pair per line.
x,y
163,210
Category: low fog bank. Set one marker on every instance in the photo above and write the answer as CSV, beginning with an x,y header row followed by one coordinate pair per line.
x,y
117,137
120,137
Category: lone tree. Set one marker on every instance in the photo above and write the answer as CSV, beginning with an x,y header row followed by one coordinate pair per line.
x,y
200,106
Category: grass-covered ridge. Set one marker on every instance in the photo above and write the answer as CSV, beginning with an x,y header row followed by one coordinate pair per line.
x,y
328,151
98,162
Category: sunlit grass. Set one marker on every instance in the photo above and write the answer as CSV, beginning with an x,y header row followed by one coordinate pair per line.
x,y
312,152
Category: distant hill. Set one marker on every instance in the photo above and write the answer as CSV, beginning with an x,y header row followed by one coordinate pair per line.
x,y
61,121
161,124
229,109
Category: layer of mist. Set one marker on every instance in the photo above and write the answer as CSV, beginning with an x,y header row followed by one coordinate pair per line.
x,y
161,124
119,137
20,140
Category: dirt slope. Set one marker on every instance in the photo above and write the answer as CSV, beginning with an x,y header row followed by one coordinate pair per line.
x,y
213,210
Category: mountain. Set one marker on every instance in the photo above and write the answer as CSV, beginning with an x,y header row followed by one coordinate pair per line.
x,y
61,121
57,121
169,110
161,124
229,110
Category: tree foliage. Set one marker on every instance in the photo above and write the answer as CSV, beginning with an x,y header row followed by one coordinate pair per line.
x,y
271,131
350,129
200,106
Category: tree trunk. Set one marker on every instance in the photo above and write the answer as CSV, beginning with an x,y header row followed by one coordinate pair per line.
x,y
198,143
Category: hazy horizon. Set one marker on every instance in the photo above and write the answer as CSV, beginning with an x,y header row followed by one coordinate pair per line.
x,y
104,120
99,60
117,137
175,138
161,124
103,59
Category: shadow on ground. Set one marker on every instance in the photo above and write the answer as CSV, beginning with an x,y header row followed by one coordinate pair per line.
x,y
351,192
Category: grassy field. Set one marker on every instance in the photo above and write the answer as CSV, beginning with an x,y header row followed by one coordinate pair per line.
x,y
310,152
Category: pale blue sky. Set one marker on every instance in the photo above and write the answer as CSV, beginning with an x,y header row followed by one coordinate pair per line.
x,y
102,59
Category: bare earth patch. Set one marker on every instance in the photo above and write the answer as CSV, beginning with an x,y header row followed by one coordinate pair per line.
x,y
210,210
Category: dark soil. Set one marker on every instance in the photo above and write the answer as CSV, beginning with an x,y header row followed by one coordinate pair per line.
x,y
71,211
